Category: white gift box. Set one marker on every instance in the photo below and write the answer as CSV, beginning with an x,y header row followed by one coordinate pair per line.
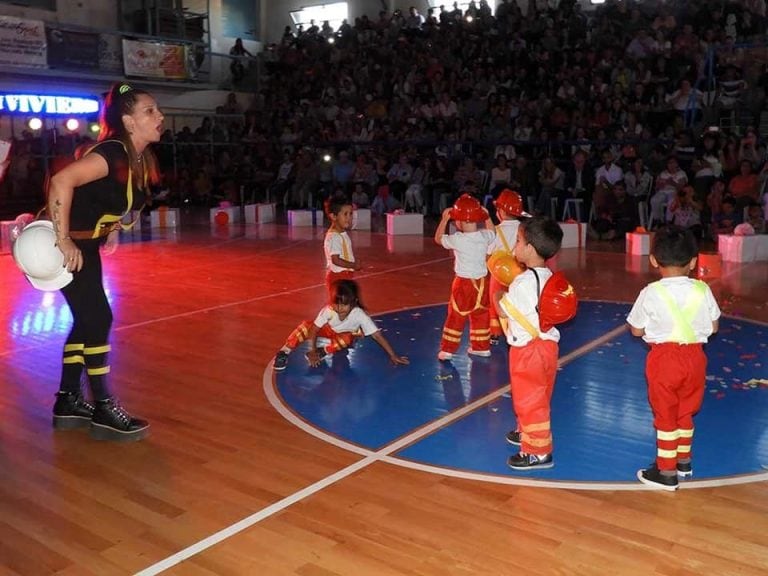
x,y
301,218
6,226
232,212
574,234
164,218
361,219
743,248
398,224
638,243
260,213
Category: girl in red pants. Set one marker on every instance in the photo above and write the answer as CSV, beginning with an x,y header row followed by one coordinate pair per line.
x,y
340,322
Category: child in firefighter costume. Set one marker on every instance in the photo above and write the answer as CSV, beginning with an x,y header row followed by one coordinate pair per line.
x,y
469,290
501,263
339,258
675,316
339,323
536,300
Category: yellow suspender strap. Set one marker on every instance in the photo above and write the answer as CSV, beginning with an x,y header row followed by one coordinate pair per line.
x,y
114,219
503,238
479,298
344,248
512,310
683,331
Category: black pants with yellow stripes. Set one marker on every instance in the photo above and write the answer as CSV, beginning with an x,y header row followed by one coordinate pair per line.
x,y
87,346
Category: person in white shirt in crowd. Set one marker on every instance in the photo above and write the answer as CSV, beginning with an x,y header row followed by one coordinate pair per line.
x,y
669,183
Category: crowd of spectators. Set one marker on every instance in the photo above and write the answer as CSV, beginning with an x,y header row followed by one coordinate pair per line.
x,y
408,111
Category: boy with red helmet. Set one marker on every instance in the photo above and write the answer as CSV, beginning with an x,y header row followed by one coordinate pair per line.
x,y
509,207
536,300
675,316
469,290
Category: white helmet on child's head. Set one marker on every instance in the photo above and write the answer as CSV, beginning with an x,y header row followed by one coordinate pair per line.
x,y
36,254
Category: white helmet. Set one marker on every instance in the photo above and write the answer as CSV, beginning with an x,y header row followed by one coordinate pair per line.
x,y
38,257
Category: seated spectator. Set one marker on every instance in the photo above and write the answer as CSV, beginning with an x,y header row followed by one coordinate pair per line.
x,y
399,176
580,182
638,180
359,196
685,211
727,219
501,175
552,182
414,199
615,217
384,202
744,186
282,184
668,184
756,218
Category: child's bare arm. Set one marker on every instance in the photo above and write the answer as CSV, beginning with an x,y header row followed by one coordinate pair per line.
x,y
442,225
715,326
312,355
341,263
639,332
394,358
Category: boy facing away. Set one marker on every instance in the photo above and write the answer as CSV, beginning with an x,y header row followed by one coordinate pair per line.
x,y
675,316
533,348
469,289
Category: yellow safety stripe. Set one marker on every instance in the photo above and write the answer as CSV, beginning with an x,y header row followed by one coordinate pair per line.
x,y
97,350
480,331
100,371
536,441
512,311
538,427
73,347
682,332
451,338
666,453
447,330
73,360
684,449
682,433
662,435
477,305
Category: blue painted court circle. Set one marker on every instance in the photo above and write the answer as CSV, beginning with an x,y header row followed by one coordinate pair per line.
x,y
601,421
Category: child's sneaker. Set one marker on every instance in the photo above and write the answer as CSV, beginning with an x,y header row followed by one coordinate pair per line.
x,y
480,353
442,355
281,361
684,470
523,461
652,476
513,437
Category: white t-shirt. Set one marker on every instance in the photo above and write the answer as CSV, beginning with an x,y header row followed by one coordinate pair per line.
x,y
356,320
340,244
651,313
505,231
469,252
612,174
523,296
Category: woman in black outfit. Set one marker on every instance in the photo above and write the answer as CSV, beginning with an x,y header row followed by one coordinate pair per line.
x,y
86,201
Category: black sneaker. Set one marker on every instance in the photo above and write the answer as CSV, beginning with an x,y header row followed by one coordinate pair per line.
x,y
684,470
652,476
111,422
513,437
494,340
281,361
71,411
523,461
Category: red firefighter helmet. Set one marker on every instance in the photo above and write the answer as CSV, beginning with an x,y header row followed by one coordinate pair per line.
x,y
467,208
509,201
504,267
558,302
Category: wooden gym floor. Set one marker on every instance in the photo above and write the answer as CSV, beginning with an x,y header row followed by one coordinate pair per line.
x,y
199,314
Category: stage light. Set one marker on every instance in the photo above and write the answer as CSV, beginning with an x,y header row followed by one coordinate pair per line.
x,y
72,124
326,158
469,19
35,123
331,40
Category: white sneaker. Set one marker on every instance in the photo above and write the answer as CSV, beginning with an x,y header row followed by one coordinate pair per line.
x,y
444,355
481,353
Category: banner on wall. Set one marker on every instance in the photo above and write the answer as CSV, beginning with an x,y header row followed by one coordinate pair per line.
x,y
22,42
70,49
155,59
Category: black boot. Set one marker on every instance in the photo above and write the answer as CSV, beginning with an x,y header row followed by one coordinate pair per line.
x,y
71,411
111,422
